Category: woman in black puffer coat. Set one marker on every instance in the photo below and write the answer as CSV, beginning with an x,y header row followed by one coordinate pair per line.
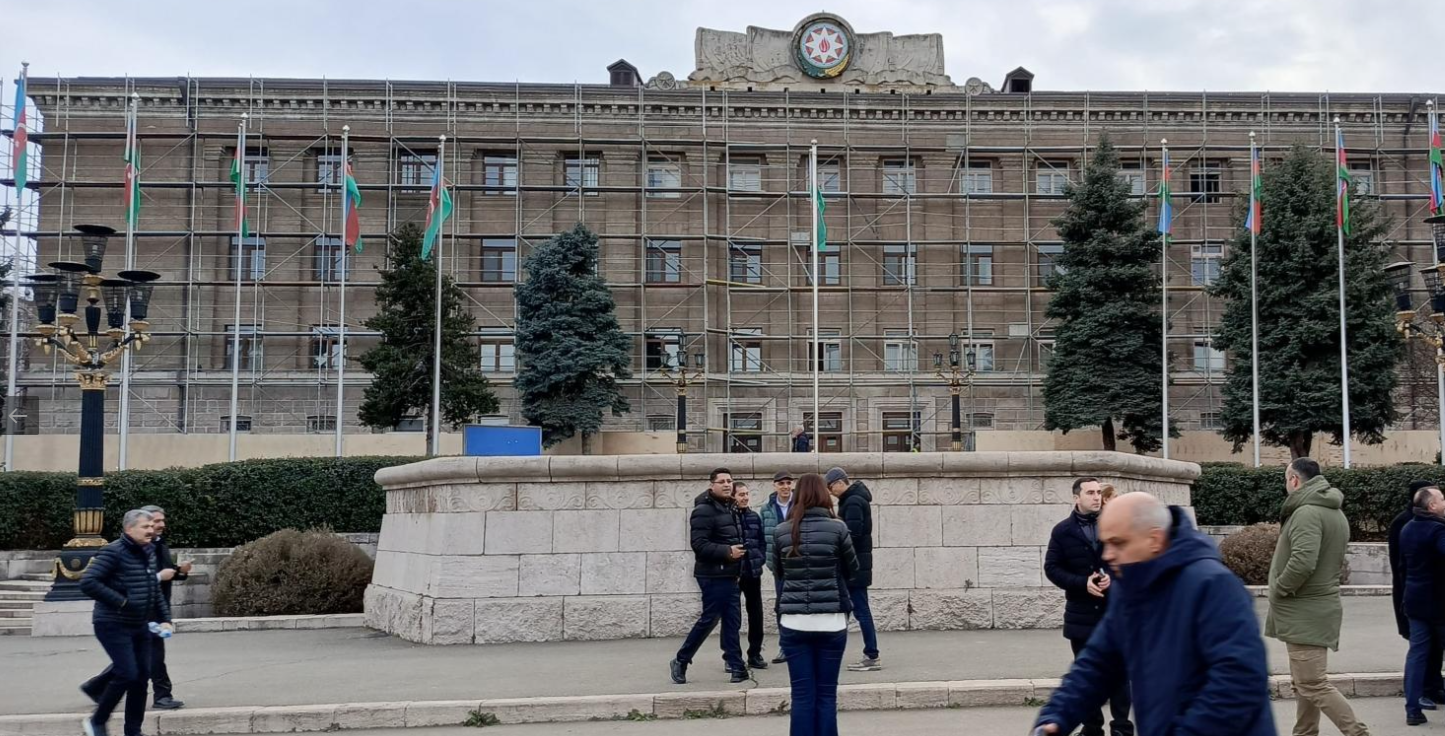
x,y
814,560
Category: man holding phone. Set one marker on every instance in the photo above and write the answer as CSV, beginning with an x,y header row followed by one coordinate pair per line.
x,y
1075,564
716,535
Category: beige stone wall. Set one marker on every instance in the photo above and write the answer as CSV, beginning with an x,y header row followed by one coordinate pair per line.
x,y
491,550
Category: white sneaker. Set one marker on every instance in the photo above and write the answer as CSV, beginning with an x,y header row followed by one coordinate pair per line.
x,y
867,665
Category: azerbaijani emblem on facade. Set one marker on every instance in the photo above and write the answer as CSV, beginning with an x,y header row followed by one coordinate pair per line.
x,y
824,47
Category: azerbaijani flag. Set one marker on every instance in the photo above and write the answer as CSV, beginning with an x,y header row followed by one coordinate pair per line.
x,y
131,156
1166,207
822,244
238,177
1253,221
438,209
20,157
1342,177
351,203
1437,168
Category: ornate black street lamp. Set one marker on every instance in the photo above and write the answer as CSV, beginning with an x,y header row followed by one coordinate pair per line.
x,y
956,377
1431,330
675,369
90,336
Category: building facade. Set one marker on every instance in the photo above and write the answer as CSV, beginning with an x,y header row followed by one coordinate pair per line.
x,y
939,203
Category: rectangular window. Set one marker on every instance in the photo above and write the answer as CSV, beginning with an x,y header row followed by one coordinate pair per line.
x,y
1207,359
900,431
248,262
499,174
900,353
661,349
328,259
745,263
976,178
664,261
1204,183
326,348
831,360
980,356
829,261
243,424
978,265
498,352
1046,354
258,165
980,420
410,424
1050,177
251,349
415,171
662,423
829,434
1048,262
662,175
899,176
499,260
898,264
316,424
1362,177
328,170
830,176
1132,173
1204,262
744,432
1210,420
745,174
747,350
581,173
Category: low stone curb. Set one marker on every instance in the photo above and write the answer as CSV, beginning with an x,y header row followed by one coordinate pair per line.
x,y
718,704
268,623
1262,591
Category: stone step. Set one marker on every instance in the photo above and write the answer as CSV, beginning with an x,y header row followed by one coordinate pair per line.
x,y
15,627
9,613
16,605
24,585
23,595
43,577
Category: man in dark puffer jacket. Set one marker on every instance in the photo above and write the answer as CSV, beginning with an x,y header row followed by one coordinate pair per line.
x,y
855,508
1075,563
717,544
122,581
751,579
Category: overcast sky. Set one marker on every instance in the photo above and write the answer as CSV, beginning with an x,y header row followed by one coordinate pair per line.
x,y
1234,45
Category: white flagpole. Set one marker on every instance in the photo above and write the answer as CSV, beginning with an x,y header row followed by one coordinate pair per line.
x,y
238,262
123,450
436,371
11,399
1255,211
1344,347
817,277
1164,308
341,320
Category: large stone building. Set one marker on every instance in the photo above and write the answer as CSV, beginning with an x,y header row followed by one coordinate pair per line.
x,y
939,203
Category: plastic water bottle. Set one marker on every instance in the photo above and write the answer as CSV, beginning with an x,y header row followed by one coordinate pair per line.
x,y
158,631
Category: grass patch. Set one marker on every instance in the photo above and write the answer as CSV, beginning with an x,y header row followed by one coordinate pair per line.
x,y
717,711
640,717
1033,702
478,719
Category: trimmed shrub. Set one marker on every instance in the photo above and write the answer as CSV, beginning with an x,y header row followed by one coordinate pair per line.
x,y
1248,552
220,505
290,573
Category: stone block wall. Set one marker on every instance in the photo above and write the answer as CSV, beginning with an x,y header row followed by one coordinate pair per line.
x,y
494,550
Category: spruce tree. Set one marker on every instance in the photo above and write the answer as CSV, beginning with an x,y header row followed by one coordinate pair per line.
x,y
1299,329
401,364
569,344
1106,364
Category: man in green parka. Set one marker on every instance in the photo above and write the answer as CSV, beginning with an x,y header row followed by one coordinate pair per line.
x,y
1304,595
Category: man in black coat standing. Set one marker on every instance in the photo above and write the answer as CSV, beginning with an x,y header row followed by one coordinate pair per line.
x,y
167,572
1434,682
1075,564
717,545
751,578
855,508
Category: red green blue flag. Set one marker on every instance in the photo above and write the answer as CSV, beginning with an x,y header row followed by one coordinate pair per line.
x,y
438,209
1253,222
1166,206
822,244
1342,177
238,177
20,156
351,202
1437,168
131,156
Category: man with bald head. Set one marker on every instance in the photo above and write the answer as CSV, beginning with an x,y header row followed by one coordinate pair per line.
x,y
1181,630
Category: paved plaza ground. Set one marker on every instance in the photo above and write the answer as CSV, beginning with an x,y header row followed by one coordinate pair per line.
x,y
297,667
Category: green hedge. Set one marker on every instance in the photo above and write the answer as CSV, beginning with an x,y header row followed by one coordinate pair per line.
x,y
221,505
1233,494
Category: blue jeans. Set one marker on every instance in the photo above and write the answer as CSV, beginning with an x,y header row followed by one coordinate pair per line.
x,y
719,602
864,614
1424,636
814,658
129,649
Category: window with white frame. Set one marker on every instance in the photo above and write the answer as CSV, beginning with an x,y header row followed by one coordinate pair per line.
x,y
1204,182
1207,359
499,174
581,173
661,348
746,350
664,261
499,260
1205,260
899,176
978,349
900,354
830,176
316,424
258,164
977,265
248,261
1050,177
328,170
831,357
1132,173
250,343
1210,420
329,260
415,171
744,432
1362,177
745,174
1046,354
976,177
243,423
899,262
745,263
326,348
661,423
1049,261
980,420
498,350
663,174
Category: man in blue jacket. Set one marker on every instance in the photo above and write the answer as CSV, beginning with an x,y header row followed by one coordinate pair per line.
x,y
1180,628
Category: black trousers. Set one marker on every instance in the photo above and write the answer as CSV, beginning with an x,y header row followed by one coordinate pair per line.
x,y
1119,724
160,676
753,601
130,655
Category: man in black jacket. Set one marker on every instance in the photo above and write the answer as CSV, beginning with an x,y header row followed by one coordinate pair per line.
x,y
855,508
169,571
1434,682
717,545
122,581
1075,563
751,578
